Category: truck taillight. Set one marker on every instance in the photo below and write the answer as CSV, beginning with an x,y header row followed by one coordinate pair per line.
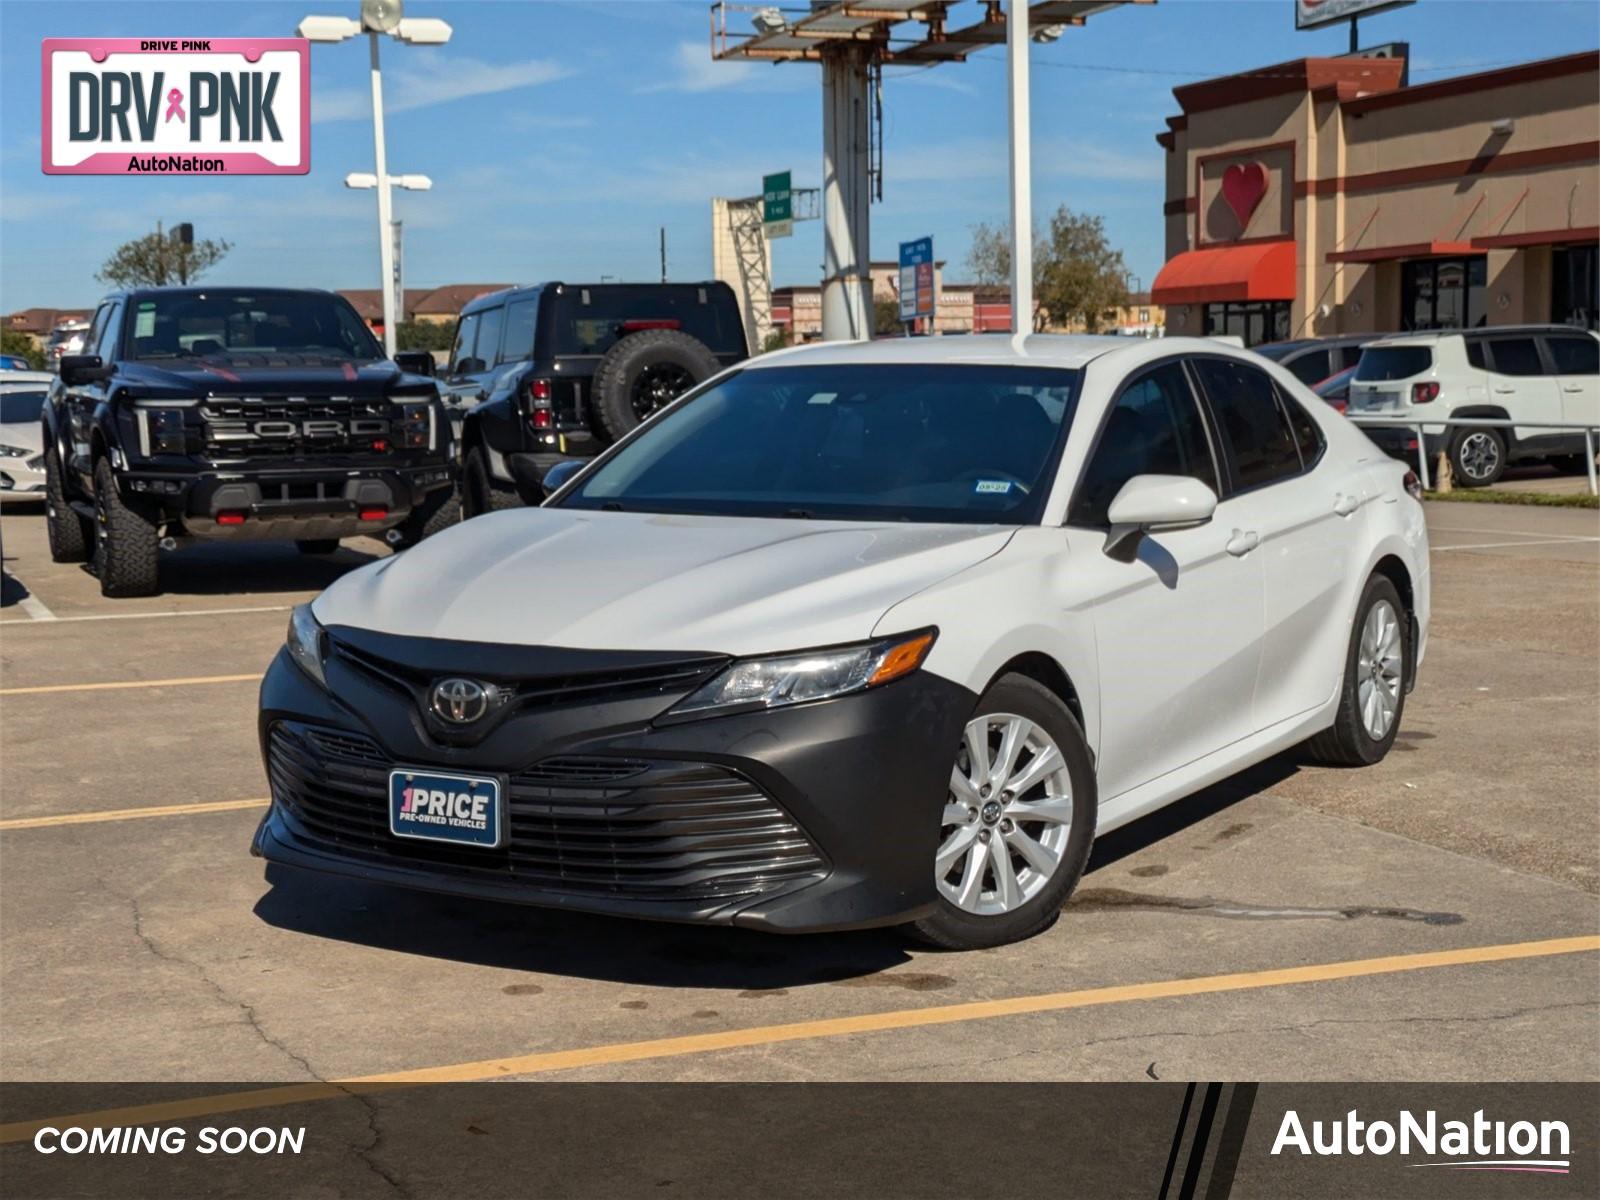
x,y
541,418
1424,393
539,390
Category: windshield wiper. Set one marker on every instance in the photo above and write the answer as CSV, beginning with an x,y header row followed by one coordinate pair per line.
x,y
804,514
611,506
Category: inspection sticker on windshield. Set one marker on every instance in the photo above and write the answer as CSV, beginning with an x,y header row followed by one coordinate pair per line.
x,y
465,809
176,106
992,487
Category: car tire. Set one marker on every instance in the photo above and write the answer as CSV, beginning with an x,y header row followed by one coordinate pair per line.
x,y
1477,457
643,373
479,492
1375,674
437,513
66,529
125,549
970,882
316,545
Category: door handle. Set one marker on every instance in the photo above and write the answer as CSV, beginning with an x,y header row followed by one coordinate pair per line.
x,y
1500,391
1572,387
1242,542
1345,505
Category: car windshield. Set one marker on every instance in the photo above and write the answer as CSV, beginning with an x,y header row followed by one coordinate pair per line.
x,y
248,328
20,406
973,444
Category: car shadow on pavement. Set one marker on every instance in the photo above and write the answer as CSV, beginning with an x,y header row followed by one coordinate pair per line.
x,y
219,569
546,942
12,590
520,938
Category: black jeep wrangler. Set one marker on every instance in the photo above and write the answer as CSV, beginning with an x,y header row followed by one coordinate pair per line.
x,y
237,414
560,370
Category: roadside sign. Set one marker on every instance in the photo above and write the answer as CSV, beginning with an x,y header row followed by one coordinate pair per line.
x,y
1312,14
916,279
777,205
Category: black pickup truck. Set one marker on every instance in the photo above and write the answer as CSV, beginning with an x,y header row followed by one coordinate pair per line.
x,y
237,414
558,370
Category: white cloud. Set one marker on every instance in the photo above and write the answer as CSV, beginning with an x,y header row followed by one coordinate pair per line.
x,y
434,79
694,70
1073,158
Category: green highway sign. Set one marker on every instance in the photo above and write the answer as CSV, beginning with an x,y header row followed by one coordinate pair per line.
x,y
777,204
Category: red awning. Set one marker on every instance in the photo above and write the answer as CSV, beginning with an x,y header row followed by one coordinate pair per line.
x,y
1256,271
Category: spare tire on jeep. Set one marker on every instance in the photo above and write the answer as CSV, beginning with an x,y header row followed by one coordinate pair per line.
x,y
643,373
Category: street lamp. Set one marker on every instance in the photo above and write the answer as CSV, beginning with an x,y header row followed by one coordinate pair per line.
x,y
381,17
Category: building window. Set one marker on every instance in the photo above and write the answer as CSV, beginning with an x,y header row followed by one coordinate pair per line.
x,y
1257,322
1442,293
1575,286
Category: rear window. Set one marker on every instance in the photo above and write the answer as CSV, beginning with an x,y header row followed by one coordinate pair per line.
x,y
1576,355
589,320
1379,363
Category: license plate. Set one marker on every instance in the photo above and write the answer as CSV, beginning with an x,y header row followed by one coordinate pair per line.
x,y
1370,400
465,809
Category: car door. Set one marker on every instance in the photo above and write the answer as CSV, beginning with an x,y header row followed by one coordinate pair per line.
x,y
463,386
83,398
1577,361
1304,511
1176,628
1520,382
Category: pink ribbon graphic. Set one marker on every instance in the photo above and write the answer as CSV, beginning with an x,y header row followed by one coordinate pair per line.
x,y
175,105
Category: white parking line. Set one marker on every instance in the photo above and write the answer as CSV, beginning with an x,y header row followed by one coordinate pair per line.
x,y
139,616
1432,529
1561,541
36,609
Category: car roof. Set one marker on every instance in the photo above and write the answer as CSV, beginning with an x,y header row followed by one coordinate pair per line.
x,y
1429,337
28,378
490,299
1066,351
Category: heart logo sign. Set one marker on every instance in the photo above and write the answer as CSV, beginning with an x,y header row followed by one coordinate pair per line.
x,y
1243,185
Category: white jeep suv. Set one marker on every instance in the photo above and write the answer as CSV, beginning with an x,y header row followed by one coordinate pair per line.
x,y
1527,374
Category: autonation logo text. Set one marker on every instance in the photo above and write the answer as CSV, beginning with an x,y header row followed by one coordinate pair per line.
x,y
1476,1145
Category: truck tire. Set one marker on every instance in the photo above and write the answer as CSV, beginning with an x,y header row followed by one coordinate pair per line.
x,y
125,551
643,373
67,531
479,492
436,514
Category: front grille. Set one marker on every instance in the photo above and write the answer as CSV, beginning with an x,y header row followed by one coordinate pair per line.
x,y
311,426
587,825
591,687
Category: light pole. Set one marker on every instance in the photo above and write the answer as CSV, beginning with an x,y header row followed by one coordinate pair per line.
x,y
381,17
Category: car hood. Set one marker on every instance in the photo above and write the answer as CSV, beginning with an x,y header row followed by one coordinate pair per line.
x,y
640,581
281,375
25,435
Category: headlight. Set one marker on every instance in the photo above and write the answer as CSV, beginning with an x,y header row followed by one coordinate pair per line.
x,y
13,452
756,683
305,643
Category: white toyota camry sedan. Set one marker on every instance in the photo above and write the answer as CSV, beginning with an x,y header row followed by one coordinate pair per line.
x,y
858,635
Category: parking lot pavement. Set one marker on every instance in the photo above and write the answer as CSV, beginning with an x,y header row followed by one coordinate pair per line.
x,y
152,948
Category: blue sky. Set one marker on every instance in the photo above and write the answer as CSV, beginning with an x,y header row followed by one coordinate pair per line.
x,y
561,135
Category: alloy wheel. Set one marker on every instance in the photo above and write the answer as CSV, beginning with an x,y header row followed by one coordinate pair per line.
x,y
657,386
1480,455
1007,818
1378,670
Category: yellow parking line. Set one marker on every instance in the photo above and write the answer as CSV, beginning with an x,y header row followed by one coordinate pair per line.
x,y
129,683
766,1035
130,814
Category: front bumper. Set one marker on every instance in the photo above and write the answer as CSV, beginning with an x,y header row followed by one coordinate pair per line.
x,y
22,477
820,816
278,503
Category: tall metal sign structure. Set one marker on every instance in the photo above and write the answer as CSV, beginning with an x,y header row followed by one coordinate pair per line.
x,y
852,40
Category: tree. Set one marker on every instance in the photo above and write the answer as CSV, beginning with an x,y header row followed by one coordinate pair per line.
x,y
886,320
158,258
1077,275
424,335
20,344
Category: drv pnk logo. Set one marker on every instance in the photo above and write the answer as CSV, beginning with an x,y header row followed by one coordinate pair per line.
x,y
171,106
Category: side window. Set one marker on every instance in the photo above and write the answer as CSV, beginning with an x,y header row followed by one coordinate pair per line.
x,y
1575,355
1515,356
488,345
1306,434
97,326
1311,367
520,320
106,344
1475,354
466,334
1155,428
1251,422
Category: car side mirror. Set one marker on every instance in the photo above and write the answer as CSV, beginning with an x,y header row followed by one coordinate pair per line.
x,y
471,366
560,475
414,362
1153,503
77,369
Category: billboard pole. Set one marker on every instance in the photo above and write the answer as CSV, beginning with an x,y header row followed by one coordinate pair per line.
x,y
1021,173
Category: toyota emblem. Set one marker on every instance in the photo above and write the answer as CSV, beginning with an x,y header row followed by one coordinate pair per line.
x,y
460,701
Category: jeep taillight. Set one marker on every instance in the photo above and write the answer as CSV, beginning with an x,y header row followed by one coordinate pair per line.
x,y
541,394
1424,393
